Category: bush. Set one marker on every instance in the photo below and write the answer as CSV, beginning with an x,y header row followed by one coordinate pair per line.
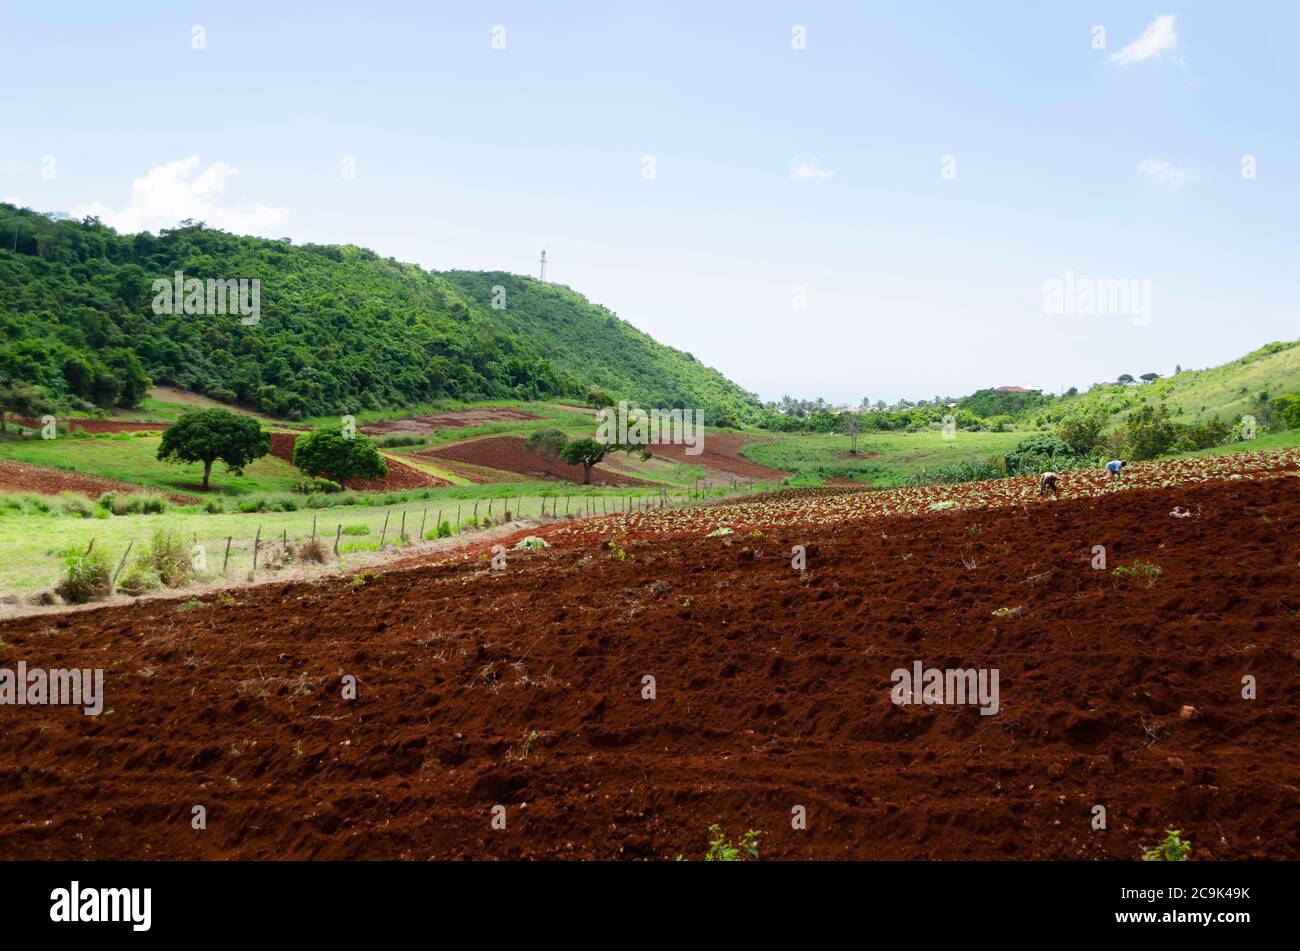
x,y
1082,430
355,530
1148,432
163,561
1039,453
312,486
313,550
214,506
77,505
391,442
88,576
969,470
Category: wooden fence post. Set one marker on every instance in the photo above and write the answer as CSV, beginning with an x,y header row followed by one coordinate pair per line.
x,y
338,533
226,560
384,534
113,586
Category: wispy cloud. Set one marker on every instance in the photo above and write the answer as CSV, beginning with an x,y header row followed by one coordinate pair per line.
x,y
1165,173
808,171
1157,41
170,193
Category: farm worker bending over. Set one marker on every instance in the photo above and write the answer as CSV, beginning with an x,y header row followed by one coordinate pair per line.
x,y
1048,484
1114,467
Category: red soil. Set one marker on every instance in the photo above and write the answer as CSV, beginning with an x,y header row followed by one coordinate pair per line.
x,y
508,453
75,424
21,477
772,691
459,419
401,475
721,451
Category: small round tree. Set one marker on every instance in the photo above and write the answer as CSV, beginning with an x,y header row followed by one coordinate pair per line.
x,y
211,434
328,453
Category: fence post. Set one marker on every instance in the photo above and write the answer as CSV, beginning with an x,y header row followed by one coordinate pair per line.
x,y
226,560
384,534
113,585
256,541
313,528
423,519
338,533
403,529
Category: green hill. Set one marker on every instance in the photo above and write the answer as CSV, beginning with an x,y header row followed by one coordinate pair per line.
x,y
339,328
1248,385
582,339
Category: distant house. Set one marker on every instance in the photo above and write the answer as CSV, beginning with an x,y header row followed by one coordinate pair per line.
x,y
1012,389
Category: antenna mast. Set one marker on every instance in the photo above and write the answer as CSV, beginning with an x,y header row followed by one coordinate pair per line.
x,y
543,273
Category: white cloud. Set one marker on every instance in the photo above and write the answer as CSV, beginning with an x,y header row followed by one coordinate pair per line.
x,y
1156,41
1165,173
801,171
178,190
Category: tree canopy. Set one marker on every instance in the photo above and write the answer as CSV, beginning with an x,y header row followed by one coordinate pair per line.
x,y
211,434
328,452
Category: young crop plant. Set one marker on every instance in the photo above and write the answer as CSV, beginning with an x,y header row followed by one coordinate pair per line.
x,y
1140,569
1172,848
722,849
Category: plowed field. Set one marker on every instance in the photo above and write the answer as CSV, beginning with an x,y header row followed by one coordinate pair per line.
x,y
525,688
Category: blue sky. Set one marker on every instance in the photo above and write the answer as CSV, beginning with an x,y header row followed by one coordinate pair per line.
x,y
775,169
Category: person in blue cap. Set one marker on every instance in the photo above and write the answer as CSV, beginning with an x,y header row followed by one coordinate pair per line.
x,y
1115,467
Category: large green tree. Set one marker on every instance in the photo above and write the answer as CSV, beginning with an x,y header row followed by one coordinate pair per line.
x,y
211,434
328,452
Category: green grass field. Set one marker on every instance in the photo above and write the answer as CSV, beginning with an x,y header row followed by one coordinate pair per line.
x,y
884,459
135,459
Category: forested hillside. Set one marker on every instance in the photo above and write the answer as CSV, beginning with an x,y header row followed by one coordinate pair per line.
x,y
583,339
339,329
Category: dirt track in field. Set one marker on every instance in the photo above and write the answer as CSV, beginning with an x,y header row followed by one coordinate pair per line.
x,y
523,688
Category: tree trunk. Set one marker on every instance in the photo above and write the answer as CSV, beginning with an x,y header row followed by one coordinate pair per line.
x,y
586,473
207,472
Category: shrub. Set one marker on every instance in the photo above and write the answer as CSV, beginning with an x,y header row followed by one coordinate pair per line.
x,y
391,442
1038,453
313,550
969,470
1081,430
77,505
444,529
355,530
531,543
214,506
312,486
162,561
1148,432
88,576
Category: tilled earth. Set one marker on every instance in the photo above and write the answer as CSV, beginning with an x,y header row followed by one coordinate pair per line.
x,y
524,688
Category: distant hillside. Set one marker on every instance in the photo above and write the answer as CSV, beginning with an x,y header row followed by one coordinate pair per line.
x,y
582,339
1228,392
339,330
